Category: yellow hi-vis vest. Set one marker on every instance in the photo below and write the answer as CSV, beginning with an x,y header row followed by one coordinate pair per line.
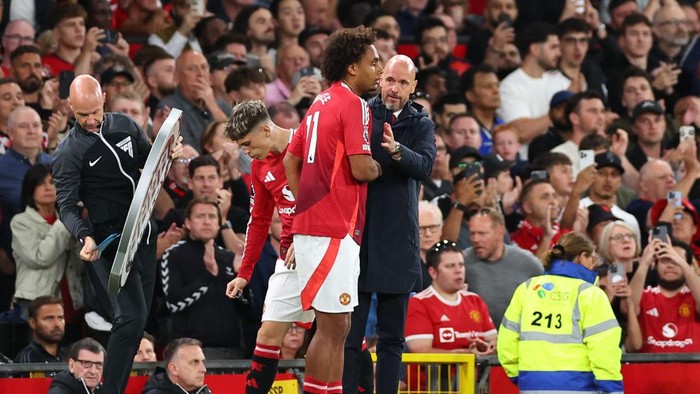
x,y
559,334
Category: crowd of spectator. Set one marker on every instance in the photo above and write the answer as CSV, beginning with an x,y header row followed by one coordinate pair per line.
x,y
549,118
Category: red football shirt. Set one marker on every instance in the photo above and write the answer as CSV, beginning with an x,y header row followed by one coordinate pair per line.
x,y
449,324
669,324
331,202
55,64
269,189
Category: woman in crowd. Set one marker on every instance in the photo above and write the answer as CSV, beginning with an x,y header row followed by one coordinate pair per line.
x,y
559,332
44,251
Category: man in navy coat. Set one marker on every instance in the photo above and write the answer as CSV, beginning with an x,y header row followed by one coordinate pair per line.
x,y
403,142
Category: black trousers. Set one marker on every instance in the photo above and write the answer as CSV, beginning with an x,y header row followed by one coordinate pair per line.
x,y
391,317
127,311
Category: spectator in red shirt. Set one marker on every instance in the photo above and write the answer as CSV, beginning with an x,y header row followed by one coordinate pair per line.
x,y
669,314
445,318
76,46
540,228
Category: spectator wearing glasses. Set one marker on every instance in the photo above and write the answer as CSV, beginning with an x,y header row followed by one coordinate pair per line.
x,y
430,232
672,32
17,33
85,364
494,268
178,180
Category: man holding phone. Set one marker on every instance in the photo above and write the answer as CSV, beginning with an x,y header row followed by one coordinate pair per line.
x,y
668,313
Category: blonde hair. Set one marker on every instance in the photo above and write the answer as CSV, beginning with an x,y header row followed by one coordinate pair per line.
x,y
570,245
604,247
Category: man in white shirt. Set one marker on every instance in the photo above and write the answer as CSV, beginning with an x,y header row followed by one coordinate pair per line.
x,y
603,190
526,92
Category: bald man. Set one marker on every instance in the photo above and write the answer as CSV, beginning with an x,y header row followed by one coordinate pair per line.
x,y
98,164
403,142
195,97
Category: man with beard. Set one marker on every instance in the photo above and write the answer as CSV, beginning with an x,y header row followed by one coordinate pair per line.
x,y
560,129
669,314
48,326
489,42
526,92
256,23
159,72
435,51
671,28
403,142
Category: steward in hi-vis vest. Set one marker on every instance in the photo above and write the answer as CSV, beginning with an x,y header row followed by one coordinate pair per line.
x,y
559,333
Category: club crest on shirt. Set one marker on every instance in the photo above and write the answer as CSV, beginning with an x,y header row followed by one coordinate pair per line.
x,y
684,310
476,316
345,299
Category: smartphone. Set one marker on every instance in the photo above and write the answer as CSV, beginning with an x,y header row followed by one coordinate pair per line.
x,y
111,37
539,174
65,78
306,72
617,272
470,169
687,133
252,60
674,198
660,233
586,158
197,7
505,18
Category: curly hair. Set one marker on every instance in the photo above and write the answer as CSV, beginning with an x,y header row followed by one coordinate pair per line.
x,y
345,47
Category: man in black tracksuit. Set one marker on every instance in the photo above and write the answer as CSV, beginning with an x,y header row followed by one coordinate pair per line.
x,y
98,164
194,274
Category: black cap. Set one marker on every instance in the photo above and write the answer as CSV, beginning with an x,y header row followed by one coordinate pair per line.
x,y
494,164
559,97
109,74
311,31
609,159
647,106
461,153
221,59
598,214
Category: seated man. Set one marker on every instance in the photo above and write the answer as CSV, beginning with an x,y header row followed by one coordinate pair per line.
x,y
48,327
494,268
146,352
184,369
669,314
445,318
86,360
194,275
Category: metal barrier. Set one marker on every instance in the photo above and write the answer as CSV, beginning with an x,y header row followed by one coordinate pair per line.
x,y
438,373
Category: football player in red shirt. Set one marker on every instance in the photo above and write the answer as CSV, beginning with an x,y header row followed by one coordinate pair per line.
x,y
251,127
328,164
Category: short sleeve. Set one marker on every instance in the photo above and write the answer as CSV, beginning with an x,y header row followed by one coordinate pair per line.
x,y
357,125
421,327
